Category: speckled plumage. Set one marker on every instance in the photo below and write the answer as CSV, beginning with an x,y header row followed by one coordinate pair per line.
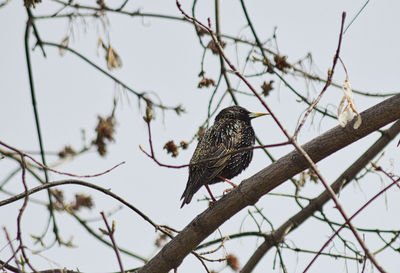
x,y
231,131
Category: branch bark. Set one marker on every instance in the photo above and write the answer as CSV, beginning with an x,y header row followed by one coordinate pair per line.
x,y
253,188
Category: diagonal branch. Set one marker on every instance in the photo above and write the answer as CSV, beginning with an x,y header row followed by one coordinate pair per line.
x,y
253,188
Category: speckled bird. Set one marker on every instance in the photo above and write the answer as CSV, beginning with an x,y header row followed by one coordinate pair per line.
x,y
230,132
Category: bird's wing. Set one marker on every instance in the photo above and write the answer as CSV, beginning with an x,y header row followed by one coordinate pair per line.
x,y
222,143
214,144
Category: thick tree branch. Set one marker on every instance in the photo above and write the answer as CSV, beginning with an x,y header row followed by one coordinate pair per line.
x,y
253,188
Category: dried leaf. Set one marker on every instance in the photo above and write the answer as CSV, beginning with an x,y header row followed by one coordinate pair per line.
x,y
58,204
281,63
214,47
66,151
179,110
161,240
82,201
65,43
307,175
105,131
101,4
206,82
267,87
29,3
58,194
232,261
200,31
184,145
113,59
346,112
267,63
171,148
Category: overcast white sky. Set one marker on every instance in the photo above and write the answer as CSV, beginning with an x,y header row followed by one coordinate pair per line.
x,y
164,57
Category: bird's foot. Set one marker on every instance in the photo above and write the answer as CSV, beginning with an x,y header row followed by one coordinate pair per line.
x,y
227,181
227,190
211,203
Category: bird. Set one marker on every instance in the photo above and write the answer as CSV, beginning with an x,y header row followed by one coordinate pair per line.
x,y
230,132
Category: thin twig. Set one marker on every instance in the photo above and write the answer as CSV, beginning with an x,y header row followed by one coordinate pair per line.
x,y
153,157
35,31
24,195
328,81
14,253
58,172
359,259
110,233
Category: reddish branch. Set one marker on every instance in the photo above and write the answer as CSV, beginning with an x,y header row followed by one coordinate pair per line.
x,y
328,80
55,171
159,163
13,251
110,233
21,246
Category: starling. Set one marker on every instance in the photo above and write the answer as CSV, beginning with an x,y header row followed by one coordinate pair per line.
x,y
230,132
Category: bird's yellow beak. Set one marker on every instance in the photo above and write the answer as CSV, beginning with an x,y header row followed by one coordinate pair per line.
x,y
256,115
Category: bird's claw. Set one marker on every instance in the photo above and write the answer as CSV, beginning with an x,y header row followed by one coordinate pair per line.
x,y
228,190
211,203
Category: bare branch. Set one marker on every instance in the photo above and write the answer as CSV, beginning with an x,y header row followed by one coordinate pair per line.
x,y
110,232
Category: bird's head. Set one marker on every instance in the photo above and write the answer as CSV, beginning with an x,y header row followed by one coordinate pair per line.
x,y
238,113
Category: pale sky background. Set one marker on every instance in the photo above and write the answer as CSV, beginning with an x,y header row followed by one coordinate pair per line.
x,y
164,56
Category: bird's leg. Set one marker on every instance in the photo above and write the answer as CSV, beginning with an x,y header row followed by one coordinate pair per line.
x,y
227,181
209,192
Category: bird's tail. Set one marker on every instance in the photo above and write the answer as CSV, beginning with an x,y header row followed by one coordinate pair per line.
x,y
187,196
